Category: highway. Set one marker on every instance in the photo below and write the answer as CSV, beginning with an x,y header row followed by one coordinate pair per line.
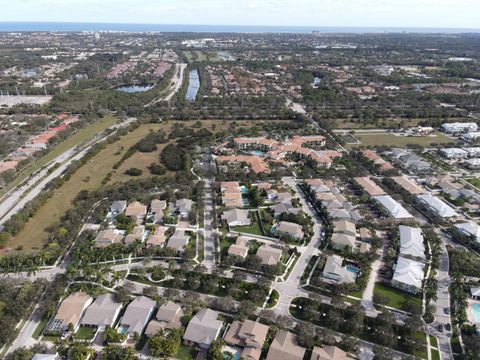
x,y
16,199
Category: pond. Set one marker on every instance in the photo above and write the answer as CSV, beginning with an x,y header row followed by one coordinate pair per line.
x,y
193,85
131,89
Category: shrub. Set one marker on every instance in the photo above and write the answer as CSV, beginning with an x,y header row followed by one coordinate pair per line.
x,y
134,172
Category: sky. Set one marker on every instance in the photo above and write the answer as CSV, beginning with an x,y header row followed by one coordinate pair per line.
x,y
369,13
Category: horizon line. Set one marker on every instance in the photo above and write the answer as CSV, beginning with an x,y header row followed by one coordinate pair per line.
x,y
309,27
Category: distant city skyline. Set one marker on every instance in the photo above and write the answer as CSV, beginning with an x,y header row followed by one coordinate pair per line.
x,y
319,13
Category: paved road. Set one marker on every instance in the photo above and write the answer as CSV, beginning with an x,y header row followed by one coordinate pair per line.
x,y
175,85
291,288
17,199
209,243
443,301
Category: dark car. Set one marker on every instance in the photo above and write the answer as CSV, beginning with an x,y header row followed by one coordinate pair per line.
x,y
440,327
448,327
446,310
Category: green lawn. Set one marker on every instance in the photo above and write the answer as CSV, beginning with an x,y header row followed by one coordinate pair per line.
x,y
85,333
273,300
186,353
383,139
41,325
474,181
77,138
433,341
396,298
253,228
435,355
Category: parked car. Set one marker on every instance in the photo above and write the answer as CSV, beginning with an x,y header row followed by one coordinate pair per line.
x,y
446,310
448,327
440,327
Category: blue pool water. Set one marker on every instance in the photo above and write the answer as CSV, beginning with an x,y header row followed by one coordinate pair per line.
x,y
352,269
258,153
476,312
122,329
243,189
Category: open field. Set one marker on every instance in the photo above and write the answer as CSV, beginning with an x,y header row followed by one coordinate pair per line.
x,y
396,298
77,138
90,177
384,123
386,139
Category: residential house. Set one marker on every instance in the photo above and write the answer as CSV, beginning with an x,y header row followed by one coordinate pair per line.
x,y
240,248
137,211
408,275
341,241
285,347
288,228
453,153
437,206
269,255
411,243
103,312
248,335
328,352
203,329
369,186
475,293
183,207
70,311
168,316
393,207
138,234
457,127
108,237
236,217
469,228
158,238
365,234
334,271
157,208
178,240
409,185
118,207
136,315
344,227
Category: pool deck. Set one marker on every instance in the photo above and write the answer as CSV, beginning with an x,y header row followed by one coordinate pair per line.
x,y
470,313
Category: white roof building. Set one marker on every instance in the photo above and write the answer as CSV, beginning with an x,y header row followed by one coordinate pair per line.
x,y
453,153
457,127
471,136
393,207
408,275
411,242
437,206
470,229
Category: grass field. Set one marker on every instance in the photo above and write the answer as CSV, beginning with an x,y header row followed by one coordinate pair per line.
x,y
90,176
474,181
396,298
186,353
77,138
85,333
385,139
435,355
41,325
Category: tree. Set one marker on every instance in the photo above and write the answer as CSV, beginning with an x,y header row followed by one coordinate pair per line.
x,y
79,351
246,309
114,352
166,344
215,351
133,172
306,334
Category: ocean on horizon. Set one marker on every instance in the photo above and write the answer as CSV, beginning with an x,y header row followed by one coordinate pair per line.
x,y
79,27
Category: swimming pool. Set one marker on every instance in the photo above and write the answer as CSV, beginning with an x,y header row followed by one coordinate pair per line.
x,y
476,312
232,350
353,269
258,153
243,189
123,329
